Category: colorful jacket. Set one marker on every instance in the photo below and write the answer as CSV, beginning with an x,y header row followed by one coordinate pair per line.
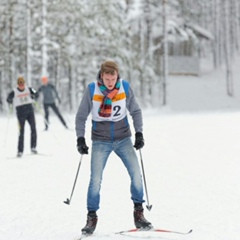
x,y
108,129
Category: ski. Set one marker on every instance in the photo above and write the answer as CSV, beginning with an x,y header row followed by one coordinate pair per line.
x,y
38,154
152,230
30,155
84,235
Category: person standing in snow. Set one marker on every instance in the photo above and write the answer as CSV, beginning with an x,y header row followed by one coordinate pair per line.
x,y
22,98
108,100
49,94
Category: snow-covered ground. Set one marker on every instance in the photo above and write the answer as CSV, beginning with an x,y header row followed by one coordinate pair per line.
x,y
191,161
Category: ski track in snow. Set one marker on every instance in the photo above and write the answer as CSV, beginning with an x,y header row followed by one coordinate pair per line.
x,y
192,169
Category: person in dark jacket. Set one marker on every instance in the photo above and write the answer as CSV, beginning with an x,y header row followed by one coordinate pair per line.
x,y
49,95
108,99
22,98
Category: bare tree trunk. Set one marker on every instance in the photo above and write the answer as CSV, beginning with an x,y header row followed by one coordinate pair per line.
x,y
165,54
237,19
44,38
29,43
141,55
151,91
73,83
236,26
216,26
227,48
9,54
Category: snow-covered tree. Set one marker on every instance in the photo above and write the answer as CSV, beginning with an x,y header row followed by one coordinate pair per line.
x,y
68,39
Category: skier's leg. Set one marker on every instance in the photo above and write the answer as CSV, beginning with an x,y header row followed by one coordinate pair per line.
x,y
129,158
100,154
21,126
32,123
46,111
56,110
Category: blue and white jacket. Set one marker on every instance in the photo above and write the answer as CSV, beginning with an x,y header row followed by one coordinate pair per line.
x,y
115,127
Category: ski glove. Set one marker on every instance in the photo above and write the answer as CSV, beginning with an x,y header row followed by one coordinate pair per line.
x,y
139,141
81,145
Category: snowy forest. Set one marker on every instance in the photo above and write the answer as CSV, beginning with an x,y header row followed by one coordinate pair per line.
x,y
67,40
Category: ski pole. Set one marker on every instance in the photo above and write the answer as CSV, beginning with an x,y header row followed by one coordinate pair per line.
x,y
39,109
10,109
149,207
68,200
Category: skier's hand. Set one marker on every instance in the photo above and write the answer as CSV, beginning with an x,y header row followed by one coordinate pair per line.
x,y
10,101
139,141
10,106
81,145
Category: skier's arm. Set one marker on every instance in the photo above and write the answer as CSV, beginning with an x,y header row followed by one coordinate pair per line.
x,y
10,97
39,90
135,111
34,93
56,93
83,112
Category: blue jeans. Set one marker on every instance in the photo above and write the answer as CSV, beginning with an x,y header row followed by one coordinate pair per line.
x,y
100,153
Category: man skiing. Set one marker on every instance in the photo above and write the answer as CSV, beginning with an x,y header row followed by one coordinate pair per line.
x,y
22,98
49,94
108,100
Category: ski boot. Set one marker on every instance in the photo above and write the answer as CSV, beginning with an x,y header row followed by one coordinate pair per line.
x,y
91,224
34,151
139,219
19,154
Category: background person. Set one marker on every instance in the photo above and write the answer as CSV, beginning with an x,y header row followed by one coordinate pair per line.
x,y
49,95
22,98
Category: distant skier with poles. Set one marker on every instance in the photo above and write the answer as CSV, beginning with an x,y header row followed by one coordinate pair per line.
x,y
108,100
49,95
22,98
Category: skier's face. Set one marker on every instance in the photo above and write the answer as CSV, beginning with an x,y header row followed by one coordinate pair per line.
x,y
21,86
44,80
109,80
